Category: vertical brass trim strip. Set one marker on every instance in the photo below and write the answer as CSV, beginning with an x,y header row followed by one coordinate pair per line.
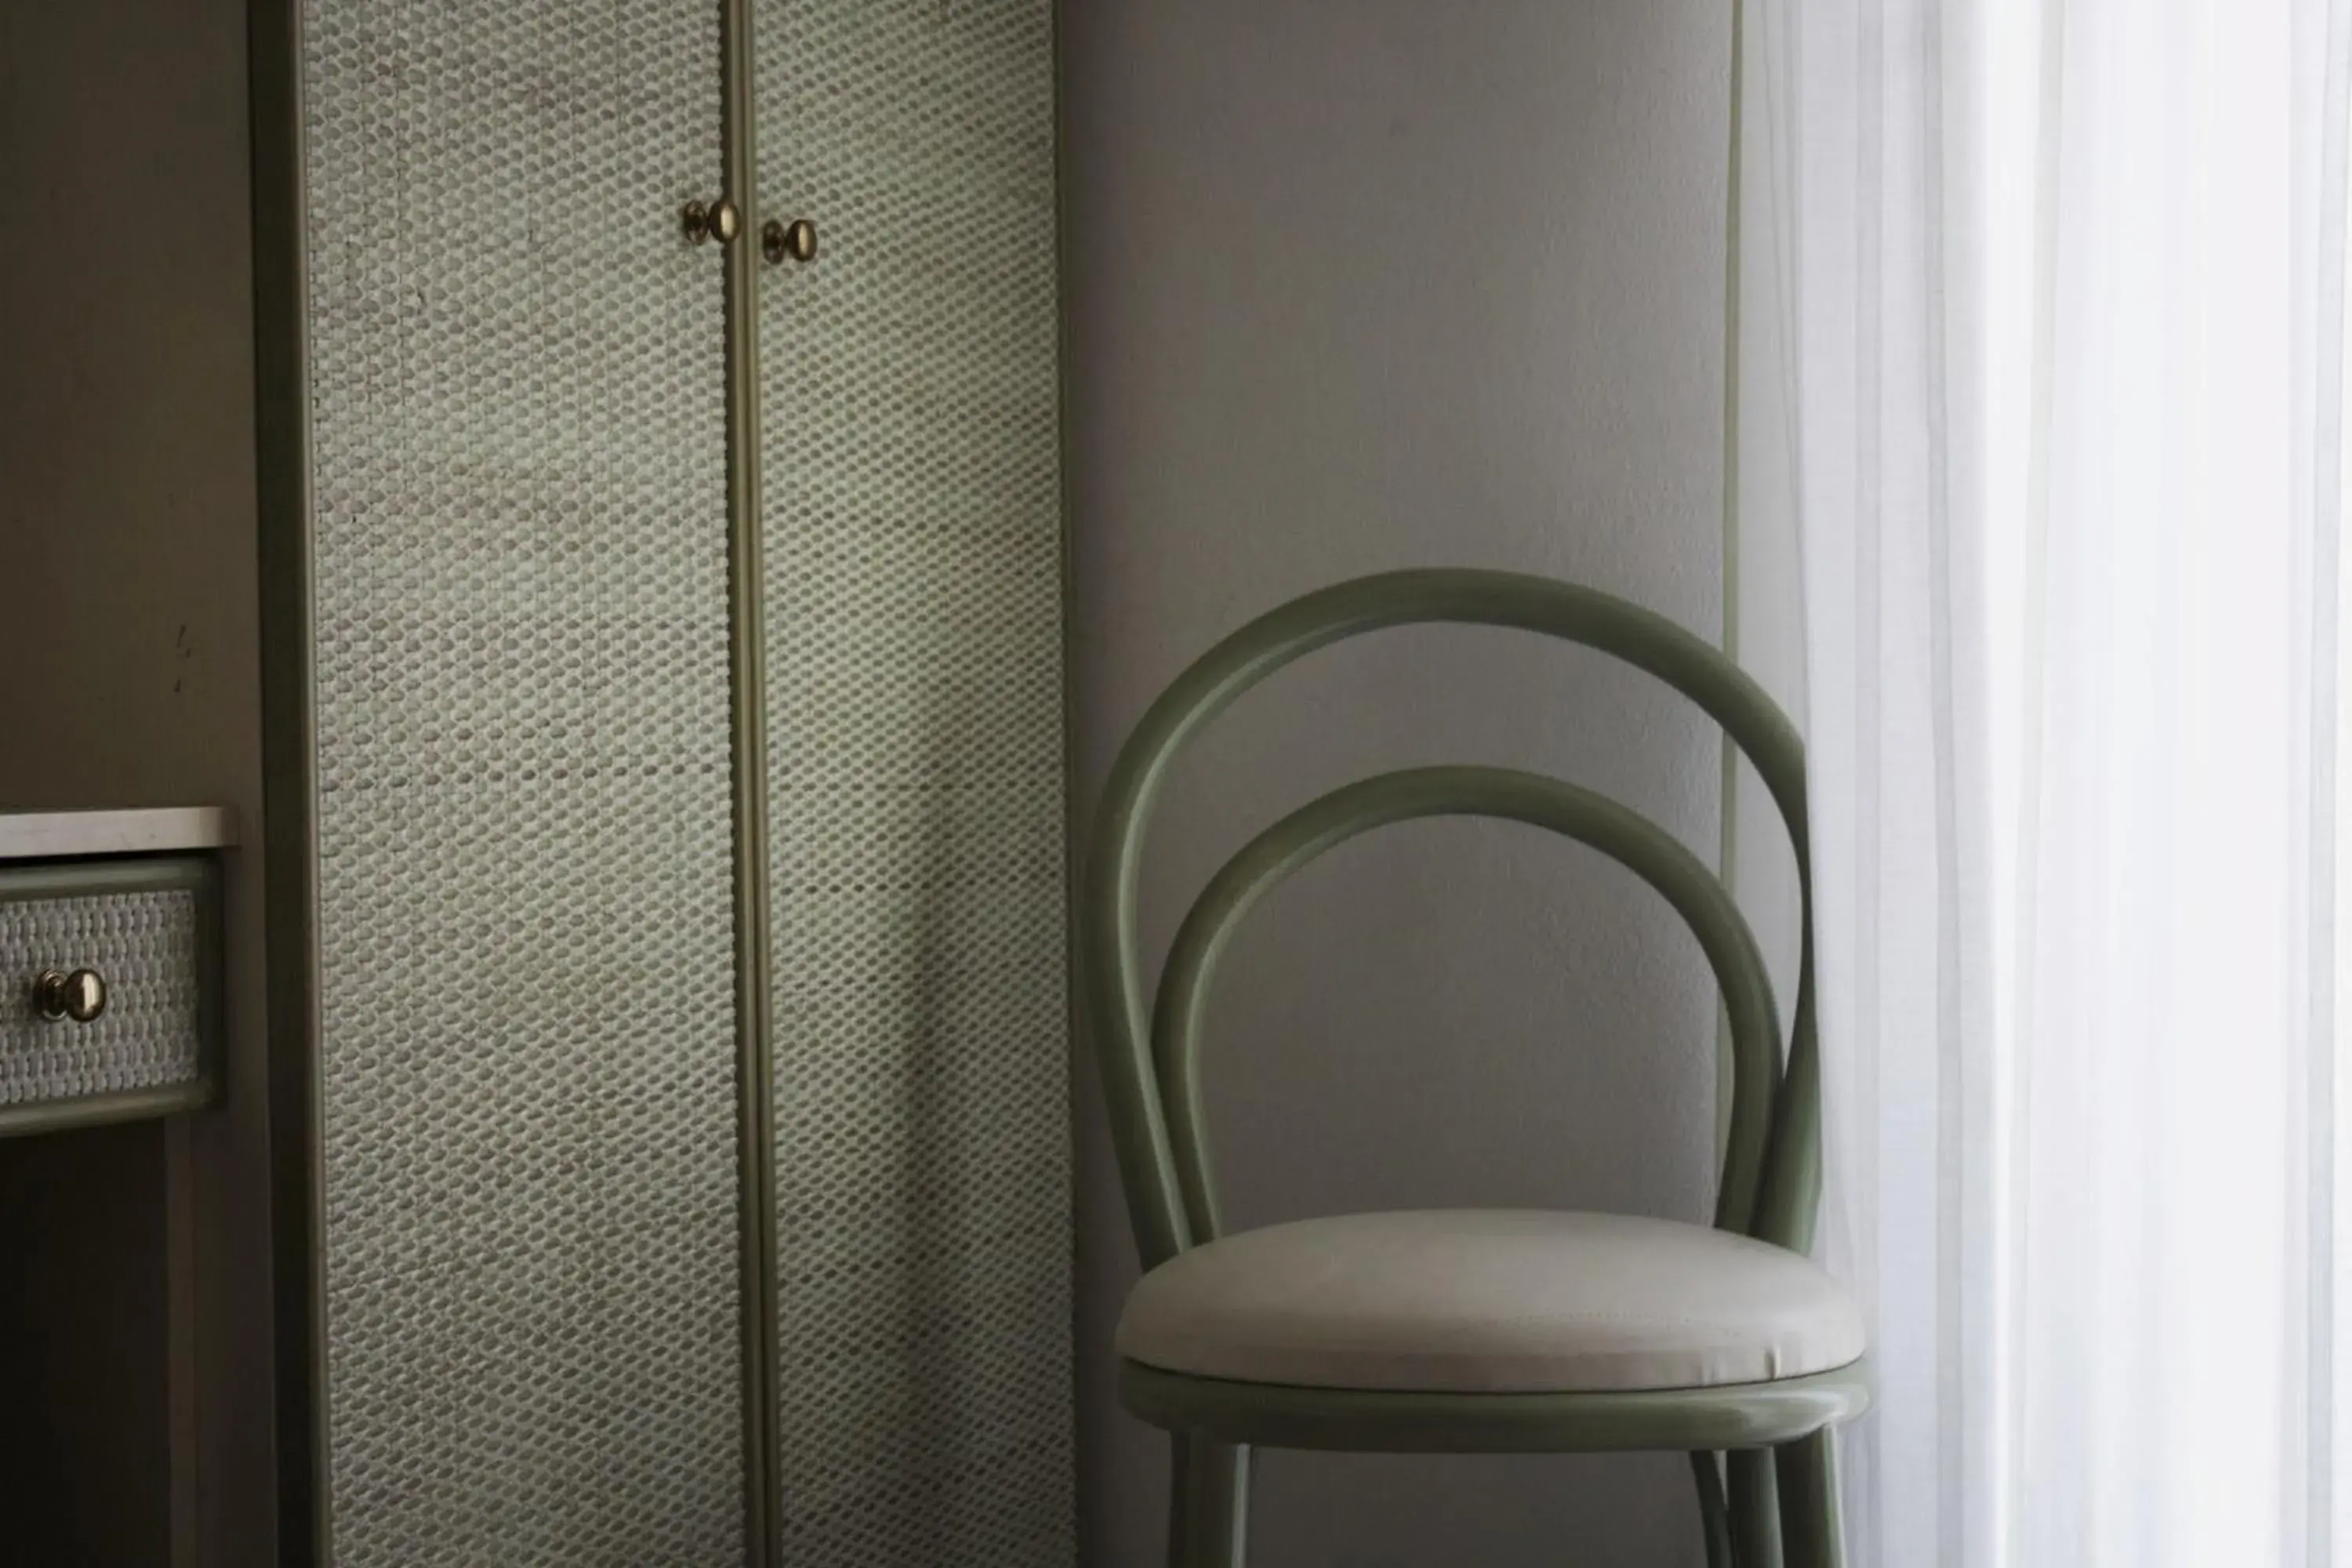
x,y
290,778
747,660
1079,1045
1728,798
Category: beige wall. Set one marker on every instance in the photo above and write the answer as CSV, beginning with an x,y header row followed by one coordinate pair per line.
x,y
1363,286
129,664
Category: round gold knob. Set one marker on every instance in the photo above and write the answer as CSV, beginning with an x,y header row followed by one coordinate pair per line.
x,y
81,995
796,239
721,220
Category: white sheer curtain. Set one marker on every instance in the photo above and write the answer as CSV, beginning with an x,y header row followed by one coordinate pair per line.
x,y
2043,305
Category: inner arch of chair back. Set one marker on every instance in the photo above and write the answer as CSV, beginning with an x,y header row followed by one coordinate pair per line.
x,y
1771,1179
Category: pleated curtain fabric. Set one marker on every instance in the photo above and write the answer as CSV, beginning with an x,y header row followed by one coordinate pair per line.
x,y
2042,331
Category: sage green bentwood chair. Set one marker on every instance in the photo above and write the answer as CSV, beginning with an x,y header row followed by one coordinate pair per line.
x,y
1468,1332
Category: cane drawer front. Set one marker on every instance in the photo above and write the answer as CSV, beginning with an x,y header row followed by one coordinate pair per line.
x,y
108,986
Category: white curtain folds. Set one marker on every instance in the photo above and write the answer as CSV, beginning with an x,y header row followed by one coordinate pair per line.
x,y
2041,414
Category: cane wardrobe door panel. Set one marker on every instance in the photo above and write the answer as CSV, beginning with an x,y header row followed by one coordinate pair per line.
x,y
916,763
530,1188
526,1089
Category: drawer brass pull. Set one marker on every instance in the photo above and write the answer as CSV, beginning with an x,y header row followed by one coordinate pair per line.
x,y
81,995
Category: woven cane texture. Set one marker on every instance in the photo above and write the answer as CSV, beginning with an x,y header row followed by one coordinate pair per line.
x,y
916,768
144,946
525,941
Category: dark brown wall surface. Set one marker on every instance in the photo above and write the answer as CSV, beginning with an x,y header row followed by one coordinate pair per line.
x,y
128,676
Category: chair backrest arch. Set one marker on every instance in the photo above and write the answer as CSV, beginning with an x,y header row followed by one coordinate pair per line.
x,y
1774,1132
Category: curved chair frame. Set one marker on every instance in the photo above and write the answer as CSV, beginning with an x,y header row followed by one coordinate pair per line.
x,y
1769,1144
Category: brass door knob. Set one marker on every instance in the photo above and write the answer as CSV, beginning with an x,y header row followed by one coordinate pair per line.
x,y
81,995
796,239
719,221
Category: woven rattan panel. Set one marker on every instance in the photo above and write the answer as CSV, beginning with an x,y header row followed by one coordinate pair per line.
x,y
145,946
528,1058
915,769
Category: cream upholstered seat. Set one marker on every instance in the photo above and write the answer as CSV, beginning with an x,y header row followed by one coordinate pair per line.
x,y
1490,1300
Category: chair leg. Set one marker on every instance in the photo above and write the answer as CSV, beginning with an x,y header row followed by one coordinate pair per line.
x,y
1208,1504
1715,1516
1755,1509
1809,1501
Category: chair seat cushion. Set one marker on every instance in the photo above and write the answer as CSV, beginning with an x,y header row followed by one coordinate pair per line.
x,y
1490,1300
